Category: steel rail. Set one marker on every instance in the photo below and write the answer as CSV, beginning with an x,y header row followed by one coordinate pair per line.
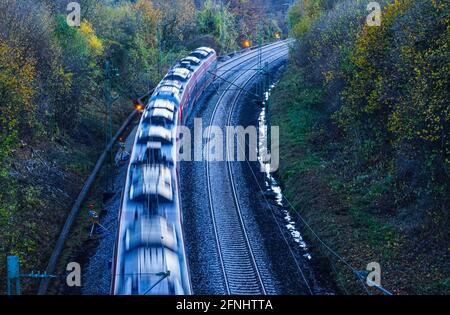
x,y
259,186
238,209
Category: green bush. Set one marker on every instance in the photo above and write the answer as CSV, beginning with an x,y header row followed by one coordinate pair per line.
x,y
386,87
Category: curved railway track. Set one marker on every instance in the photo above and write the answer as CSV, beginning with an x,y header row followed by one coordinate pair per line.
x,y
241,272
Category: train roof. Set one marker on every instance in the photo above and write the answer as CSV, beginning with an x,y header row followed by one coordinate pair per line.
x,y
159,114
168,89
150,231
150,241
153,152
173,83
185,64
155,133
207,49
192,60
168,92
151,181
201,54
163,103
177,73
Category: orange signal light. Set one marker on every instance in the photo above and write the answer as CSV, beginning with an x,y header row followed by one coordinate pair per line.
x,y
138,106
246,43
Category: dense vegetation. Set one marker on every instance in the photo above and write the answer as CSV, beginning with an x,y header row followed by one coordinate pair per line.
x,y
52,94
365,120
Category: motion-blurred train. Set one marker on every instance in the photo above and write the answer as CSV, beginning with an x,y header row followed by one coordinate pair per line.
x,y
149,256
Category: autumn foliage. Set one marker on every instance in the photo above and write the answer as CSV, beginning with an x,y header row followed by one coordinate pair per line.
x,y
387,87
53,83
368,122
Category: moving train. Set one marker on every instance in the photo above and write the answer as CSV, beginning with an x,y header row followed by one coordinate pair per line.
x,y
149,255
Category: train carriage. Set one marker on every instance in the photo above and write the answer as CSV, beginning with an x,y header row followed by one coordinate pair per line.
x,y
149,256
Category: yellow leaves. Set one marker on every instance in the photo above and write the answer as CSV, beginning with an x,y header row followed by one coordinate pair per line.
x,y
418,72
329,76
93,41
96,44
18,71
147,11
394,124
180,13
373,38
148,17
17,74
86,29
396,88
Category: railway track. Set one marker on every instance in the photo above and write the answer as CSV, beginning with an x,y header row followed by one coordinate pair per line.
x,y
240,269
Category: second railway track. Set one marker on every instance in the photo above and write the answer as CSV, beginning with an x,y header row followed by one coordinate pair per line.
x,y
240,269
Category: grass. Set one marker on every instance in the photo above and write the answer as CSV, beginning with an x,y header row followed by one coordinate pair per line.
x,y
352,207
